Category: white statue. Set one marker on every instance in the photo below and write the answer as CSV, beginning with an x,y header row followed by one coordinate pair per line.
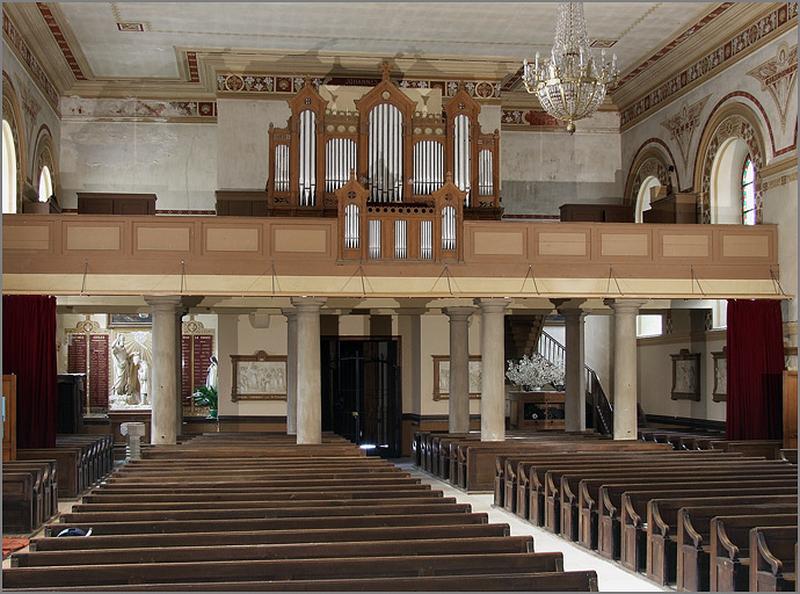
x,y
211,374
122,366
143,377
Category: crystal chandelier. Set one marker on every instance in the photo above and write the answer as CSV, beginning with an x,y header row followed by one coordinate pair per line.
x,y
570,85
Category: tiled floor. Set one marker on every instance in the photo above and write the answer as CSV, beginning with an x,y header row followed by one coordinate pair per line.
x,y
610,576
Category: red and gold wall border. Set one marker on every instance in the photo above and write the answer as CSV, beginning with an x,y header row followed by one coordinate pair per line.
x,y
256,83
34,69
746,40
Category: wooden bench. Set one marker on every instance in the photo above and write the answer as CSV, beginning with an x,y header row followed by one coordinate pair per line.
x,y
70,463
192,572
654,547
561,581
773,565
729,563
45,489
694,534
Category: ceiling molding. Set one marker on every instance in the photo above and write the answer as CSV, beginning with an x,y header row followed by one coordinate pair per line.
x,y
715,54
66,41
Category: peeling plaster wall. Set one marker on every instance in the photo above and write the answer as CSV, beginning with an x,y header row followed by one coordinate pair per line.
x,y
175,161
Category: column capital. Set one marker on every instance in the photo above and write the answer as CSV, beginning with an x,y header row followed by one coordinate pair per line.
x,y
168,303
625,306
569,308
493,305
289,312
458,313
308,304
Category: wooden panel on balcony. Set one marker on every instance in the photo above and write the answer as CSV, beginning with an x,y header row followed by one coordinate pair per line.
x,y
241,203
116,203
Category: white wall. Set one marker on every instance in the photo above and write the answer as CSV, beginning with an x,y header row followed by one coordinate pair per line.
x,y
540,171
175,161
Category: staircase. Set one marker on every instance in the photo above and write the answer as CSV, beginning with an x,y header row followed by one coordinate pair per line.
x,y
599,411
522,334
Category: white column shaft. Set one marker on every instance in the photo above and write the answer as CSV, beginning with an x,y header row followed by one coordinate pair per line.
x,y
625,369
166,358
458,421
575,407
291,372
309,394
493,401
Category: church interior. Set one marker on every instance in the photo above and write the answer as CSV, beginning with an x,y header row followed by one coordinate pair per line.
x,y
347,296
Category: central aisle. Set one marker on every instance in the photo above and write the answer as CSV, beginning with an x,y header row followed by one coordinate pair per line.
x,y
611,577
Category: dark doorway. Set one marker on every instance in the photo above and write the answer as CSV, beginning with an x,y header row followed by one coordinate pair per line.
x,y
361,396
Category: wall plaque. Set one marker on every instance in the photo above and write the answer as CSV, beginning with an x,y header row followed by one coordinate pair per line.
x,y
686,375
720,393
441,377
98,378
258,377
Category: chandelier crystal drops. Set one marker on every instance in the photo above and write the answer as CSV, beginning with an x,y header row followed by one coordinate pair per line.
x,y
571,84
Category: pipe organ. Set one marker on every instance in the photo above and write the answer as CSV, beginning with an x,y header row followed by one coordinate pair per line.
x,y
400,147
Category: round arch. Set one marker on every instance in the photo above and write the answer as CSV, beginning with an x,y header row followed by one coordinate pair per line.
x,y
45,161
732,132
653,159
644,197
13,115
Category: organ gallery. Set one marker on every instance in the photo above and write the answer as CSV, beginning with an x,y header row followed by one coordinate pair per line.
x,y
411,296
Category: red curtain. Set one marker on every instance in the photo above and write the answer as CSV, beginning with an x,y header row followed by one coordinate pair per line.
x,y
29,352
755,369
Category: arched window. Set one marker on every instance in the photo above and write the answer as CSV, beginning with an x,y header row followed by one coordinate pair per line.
x,y
9,171
45,184
749,192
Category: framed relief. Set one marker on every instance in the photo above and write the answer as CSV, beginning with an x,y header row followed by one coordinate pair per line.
x,y
720,393
258,377
441,377
685,375
135,320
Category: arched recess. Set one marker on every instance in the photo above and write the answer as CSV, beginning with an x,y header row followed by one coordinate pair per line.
x,y
644,197
730,129
653,159
13,115
44,157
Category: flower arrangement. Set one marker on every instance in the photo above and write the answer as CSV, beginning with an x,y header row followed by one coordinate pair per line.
x,y
534,372
207,396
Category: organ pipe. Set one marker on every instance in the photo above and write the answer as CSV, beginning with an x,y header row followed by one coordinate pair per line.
x,y
340,160
426,240
308,158
374,239
385,153
400,239
281,172
351,226
485,173
461,146
448,229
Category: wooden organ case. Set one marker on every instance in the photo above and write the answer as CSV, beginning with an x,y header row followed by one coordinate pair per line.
x,y
400,151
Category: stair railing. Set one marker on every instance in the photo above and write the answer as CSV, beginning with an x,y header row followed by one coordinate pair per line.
x,y
602,411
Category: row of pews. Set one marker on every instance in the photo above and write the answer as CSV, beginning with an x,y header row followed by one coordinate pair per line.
x,y
720,518
255,512
34,482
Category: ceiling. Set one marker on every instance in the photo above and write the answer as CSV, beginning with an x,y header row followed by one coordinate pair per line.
x,y
502,31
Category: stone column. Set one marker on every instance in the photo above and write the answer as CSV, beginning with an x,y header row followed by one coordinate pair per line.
x,y
309,394
179,371
165,397
459,368
291,370
625,367
575,397
493,367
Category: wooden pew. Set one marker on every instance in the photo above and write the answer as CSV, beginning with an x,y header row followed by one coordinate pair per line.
x,y
692,571
629,501
19,502
255,537
568,581
70,467
243,552
729,564
654,547
773,559
768,448
190,572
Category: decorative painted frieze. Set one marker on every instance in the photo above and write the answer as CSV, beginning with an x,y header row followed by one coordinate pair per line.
x,y
711,63
683,124
21,49
529,118
777,76
138,109
289,84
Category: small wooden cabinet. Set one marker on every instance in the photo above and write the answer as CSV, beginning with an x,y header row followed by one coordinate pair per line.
x,y
536,410
116,204
9,417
